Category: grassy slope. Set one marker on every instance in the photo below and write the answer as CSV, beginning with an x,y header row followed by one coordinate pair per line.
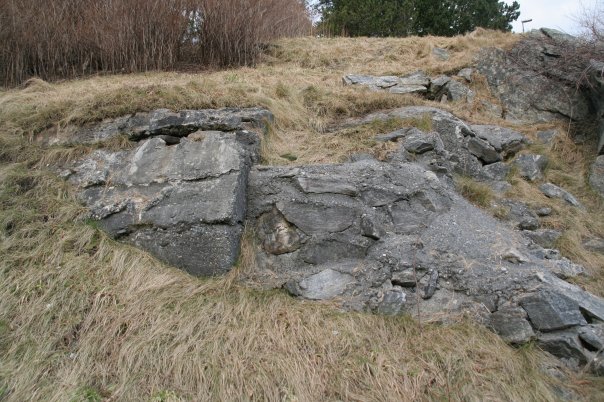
x,y
85,318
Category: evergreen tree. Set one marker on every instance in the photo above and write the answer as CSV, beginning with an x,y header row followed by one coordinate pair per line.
x,y
414,17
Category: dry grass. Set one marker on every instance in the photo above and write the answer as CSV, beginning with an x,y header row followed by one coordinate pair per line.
x,y
86,318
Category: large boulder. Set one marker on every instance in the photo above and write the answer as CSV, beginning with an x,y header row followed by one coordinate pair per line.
x,y
185,203
530,82
394,238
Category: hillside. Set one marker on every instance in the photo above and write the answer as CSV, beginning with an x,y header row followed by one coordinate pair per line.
x,y
85,317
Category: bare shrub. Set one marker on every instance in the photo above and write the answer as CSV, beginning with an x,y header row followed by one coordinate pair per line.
x,y
67,38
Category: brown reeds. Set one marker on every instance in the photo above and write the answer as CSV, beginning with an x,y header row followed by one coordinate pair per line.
x,y
68,38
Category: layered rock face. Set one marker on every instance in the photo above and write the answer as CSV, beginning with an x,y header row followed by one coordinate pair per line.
x,y
181,198
540,80
392,238
389,237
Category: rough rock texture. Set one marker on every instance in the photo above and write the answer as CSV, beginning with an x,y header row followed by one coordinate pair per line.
x,y
389,237
531,166
453,132
530,85
415,83
185,203
439,88
394,238
596,175
504,140
160,122
553,191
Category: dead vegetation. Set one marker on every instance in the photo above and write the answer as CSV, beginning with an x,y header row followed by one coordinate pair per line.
x,y
85,318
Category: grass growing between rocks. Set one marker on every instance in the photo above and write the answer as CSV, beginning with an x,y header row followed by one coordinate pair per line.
x,y
85,318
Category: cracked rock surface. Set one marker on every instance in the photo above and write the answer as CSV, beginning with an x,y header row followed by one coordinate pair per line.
x,y
387,237
185,203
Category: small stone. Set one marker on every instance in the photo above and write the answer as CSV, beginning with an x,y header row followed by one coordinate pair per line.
x,y
545,211
392,136
551,311
531,166
548,136
565,346
514,256
546,238
325,285
466,74
418,143
512,325
565,269
393,301
553,191
483,150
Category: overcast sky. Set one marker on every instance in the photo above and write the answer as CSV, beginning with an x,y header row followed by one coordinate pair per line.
x,y
559,14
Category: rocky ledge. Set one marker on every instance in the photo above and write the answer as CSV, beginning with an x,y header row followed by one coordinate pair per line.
x,y
391,237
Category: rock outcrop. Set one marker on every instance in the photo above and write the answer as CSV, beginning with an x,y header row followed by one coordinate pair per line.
x,y
440,88
391,237
182,199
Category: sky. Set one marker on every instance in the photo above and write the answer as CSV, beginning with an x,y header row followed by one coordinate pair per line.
x,y
558,14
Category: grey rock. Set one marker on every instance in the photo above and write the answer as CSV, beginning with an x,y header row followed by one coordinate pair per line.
x,y
504,140
322,185
440,53
392,136
525,91
563,268
564,345
184,203
200,250
590,305
550,311
466,74
548,136
416,78
161,122
545,211
593,336
383,82
393,301
450,129
413,83
594,245
432,283
456,91
407,89
531,166
326,284
596,175
413,244
483,151
520,215
557,35
546,238
553,191
418,143
437,86
494,172
512,325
